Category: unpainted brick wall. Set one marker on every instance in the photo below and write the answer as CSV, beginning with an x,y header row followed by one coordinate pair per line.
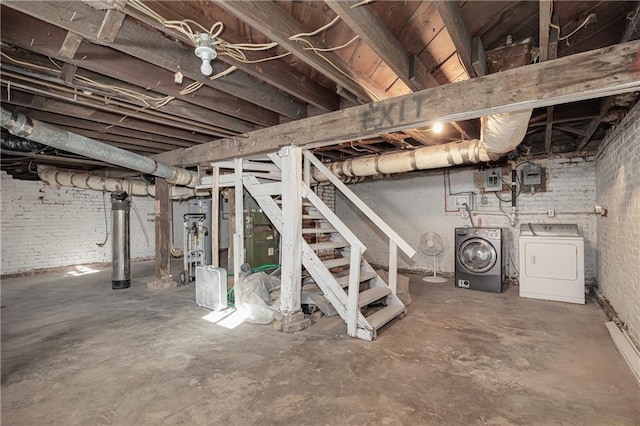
x,y
618,191
46,227
413,204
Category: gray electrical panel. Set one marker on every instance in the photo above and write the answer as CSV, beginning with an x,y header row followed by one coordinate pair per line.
x,y
531,174
493,179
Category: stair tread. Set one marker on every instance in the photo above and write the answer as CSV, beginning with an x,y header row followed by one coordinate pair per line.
x,y
329,245
384,315
313,216
364,276
304,203
318,230
334,263
373,294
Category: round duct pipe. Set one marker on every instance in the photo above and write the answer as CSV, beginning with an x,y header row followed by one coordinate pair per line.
x,y
47,134
56,177
501,133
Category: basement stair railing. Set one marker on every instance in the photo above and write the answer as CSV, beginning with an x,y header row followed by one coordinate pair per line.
x,y
395,240
331,275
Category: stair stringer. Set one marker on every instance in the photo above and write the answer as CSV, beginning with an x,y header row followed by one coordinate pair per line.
x,y
310,260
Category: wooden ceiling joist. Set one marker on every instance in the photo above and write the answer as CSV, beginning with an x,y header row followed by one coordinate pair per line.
x,y
631,32
451,15
78,123
106,119
19,30
153,48
597,73
274,73
279,26
364,22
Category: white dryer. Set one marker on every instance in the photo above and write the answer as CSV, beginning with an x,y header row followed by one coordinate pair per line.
x,y
551,262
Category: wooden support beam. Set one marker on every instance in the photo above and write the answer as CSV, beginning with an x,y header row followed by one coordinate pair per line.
x,y
479,57
552,53
111,24
544,19
597,73
163,229
215,217
70,45
153,48
291,164
68,72
451,15
238,235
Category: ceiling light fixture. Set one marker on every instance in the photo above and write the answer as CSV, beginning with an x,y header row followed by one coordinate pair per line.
x,y
206,52
437,127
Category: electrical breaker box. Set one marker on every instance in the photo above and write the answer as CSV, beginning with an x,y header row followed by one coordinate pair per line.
x,y
493,179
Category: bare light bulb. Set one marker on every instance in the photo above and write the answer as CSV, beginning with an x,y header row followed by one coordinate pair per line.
x,y
205,68
437,127
206,52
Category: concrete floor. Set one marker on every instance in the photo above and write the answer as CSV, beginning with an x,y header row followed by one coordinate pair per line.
x,y
76,352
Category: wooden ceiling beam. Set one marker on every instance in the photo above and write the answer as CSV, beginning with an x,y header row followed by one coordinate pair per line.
x,y
587,75
54,159
64,120
268,18
118,110
36,103
275,72
551,53
364,22
108,137
451,15
630,32
136,41
19,29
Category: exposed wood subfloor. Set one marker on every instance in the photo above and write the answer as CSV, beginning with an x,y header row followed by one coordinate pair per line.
x,y
76,352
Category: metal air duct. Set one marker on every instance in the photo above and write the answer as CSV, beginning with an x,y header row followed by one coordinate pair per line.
x,y
47,134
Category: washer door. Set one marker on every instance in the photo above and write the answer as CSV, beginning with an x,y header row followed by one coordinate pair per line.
x,y
477,255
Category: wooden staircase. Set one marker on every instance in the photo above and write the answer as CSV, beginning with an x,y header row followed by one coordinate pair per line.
x,y
347,281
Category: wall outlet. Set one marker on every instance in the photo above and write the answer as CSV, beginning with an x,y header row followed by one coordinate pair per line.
x,y
551,213
461,200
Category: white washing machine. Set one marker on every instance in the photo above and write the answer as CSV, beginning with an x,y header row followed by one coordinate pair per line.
x,y
551,262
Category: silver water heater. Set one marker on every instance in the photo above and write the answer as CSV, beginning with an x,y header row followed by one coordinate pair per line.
x,y
120,272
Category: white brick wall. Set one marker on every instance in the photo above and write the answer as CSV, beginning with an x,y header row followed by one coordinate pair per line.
x,y
414,204
45,227
618,190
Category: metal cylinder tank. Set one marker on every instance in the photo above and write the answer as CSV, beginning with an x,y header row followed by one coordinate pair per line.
x,y
120,272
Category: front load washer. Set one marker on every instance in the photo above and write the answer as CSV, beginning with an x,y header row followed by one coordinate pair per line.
x,y
481,258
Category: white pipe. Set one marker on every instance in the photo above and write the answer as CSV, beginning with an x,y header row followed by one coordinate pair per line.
x,y
59,178
501,133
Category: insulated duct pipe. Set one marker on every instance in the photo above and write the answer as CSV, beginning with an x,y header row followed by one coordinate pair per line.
x,y
501,133
47,134
56,177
